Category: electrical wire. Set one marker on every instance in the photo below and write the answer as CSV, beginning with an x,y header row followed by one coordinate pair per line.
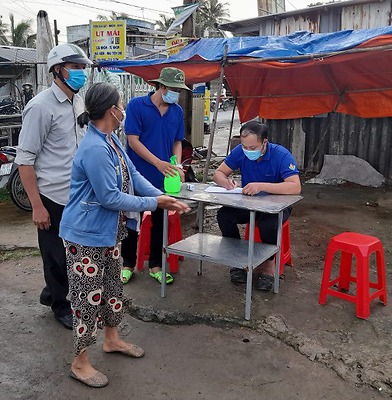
x,y
100,9
12,11
142,8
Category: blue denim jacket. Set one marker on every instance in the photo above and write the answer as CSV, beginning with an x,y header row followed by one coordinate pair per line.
x,y
91,215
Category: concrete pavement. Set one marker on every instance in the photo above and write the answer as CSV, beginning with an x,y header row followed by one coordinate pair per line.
x,y
182,361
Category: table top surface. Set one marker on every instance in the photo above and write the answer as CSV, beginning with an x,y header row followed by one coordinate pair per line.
x,y
263,202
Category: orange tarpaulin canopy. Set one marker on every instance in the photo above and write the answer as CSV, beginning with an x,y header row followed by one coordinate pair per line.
x,y
292,76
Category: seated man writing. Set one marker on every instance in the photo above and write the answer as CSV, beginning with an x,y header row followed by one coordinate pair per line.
x,y
265,167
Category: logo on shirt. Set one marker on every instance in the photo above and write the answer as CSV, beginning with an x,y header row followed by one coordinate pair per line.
x,y
292,167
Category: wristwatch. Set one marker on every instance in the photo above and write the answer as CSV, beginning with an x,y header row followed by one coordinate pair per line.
x,y
179,166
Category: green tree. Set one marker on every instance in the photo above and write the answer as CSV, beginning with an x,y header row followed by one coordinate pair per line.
x,y
112,17
209,15
164,23
3,32
21,33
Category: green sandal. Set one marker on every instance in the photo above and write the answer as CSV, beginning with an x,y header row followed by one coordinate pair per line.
x,y
158,277
126,275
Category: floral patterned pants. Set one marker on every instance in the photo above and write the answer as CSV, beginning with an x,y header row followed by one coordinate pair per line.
x,y
95,291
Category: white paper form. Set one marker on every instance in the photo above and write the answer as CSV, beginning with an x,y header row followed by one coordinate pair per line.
x,y
219,189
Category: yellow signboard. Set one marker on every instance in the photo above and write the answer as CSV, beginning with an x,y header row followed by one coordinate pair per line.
x,y
180,41
207,104
108,40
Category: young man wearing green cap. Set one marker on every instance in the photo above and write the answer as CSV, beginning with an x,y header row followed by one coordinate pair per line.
x,y
154,127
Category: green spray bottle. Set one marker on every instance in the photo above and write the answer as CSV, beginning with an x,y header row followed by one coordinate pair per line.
x,y
172,184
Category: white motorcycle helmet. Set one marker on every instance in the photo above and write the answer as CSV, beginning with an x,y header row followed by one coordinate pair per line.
x,y
67,53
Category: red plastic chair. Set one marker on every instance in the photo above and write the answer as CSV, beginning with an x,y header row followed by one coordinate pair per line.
x,y
143,246
285,248
361,246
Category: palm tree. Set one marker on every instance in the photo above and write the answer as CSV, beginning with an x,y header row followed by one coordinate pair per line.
x,y
3,32
209,15
164,23
112,17
21,35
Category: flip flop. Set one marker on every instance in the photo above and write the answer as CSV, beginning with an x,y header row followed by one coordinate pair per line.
x,y
126,275
158,277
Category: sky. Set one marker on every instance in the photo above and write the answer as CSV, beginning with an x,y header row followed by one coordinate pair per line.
x,y
78,12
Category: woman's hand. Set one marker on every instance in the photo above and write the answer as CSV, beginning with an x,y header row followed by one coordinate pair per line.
x,y
170,203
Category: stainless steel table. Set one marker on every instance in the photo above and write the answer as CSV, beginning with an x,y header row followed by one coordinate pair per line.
x,y
236,253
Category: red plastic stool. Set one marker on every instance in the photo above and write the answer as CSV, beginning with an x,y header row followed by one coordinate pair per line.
x,y
285,248
361,246
143,246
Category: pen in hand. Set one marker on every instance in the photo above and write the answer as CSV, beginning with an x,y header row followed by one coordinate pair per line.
x,y
230,184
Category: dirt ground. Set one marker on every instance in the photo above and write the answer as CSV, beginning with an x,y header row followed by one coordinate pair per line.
x,y
195,336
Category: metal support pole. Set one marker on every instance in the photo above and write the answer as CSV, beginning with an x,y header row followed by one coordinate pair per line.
x,y
231,125
212,133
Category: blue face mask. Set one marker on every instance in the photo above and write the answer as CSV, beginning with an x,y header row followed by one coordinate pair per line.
x,y
171,97
77,78
253,155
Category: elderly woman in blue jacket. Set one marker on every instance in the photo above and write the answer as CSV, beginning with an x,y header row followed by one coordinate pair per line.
x,y
107,195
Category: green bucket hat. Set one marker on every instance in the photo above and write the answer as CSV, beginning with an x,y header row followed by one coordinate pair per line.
x,y
171,77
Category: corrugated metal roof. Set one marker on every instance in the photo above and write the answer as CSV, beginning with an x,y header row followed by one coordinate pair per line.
x,y
252,26
18,54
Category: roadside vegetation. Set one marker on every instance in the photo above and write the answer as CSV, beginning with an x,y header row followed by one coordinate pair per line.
x,y
18,253
4,196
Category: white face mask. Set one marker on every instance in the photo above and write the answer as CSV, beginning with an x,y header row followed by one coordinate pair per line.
x,y
121,122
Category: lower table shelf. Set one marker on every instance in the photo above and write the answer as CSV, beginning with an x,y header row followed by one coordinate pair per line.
x,y
222,250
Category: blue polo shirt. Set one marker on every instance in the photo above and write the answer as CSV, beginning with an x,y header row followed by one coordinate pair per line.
x,y
275,166
157,132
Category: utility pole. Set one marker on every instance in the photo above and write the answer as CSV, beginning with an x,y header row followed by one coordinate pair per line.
x,y
188,30
56,33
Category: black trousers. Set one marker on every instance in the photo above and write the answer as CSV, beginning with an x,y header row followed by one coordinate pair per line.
x,y
129,244
229,218
53,256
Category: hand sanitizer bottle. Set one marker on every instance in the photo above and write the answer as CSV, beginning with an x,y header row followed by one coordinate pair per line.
x,y
172,184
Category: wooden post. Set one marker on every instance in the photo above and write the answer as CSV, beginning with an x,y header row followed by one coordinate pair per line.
x,y
188,30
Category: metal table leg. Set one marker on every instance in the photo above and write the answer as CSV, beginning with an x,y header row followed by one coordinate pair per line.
x,y
277,258
248,301
200,217
164,253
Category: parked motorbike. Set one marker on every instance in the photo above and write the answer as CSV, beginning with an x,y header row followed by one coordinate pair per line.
x,y
8,106
188,153
10,178
223,103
